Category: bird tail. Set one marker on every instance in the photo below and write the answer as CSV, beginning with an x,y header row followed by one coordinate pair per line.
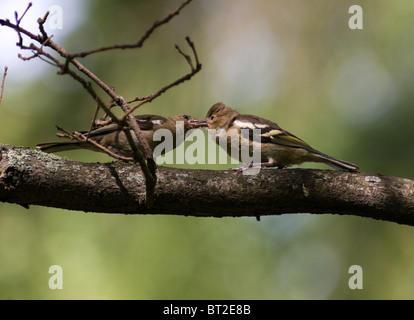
x,y
335,163
53,147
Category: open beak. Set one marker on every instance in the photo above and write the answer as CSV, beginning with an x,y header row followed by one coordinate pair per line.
x,y
198,123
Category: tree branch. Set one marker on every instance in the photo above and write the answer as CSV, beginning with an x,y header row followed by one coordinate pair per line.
x,y
29,177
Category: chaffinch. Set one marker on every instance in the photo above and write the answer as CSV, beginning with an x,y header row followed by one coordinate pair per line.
x,y
113,138
278,148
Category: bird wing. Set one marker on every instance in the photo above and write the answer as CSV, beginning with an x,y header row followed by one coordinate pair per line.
x,y
270,132
103,130
284,138
150,121
145,122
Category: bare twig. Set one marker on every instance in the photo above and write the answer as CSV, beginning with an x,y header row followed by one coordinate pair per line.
x,y
67,134
62,66
188,76
24,13
87,85
2,83
83,138
38,53
93,122
41,22
102,122
141,41
191,44
186,56
18,20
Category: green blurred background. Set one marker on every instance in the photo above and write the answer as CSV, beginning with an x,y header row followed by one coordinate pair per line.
x,y
346,92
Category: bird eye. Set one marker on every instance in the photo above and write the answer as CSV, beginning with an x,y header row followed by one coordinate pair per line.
x,y
186,117
212,117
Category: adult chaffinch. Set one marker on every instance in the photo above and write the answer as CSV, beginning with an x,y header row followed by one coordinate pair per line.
x,y
113,138
278,148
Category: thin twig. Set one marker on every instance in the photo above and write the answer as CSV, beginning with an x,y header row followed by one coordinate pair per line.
x,y
41,22
16,16
82,138
141,41
101,123
2,82
62,66
188,76
149,169
87,85
191,44
113,103
93,122
37,53
106,150
25,11
186,56
66,134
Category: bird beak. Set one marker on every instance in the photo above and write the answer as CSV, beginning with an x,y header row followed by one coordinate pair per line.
x,y
198,123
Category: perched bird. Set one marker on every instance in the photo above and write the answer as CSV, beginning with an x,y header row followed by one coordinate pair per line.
x,y
278,147
113,138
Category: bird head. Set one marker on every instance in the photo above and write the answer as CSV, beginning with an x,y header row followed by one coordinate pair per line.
x,y
187,119
219,116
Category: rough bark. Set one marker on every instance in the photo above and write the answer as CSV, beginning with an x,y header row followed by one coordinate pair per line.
x,y
29,177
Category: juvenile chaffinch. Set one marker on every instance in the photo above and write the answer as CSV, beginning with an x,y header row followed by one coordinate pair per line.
x,y
113,138
278,147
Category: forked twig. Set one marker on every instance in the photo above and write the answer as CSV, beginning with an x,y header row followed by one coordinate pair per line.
x,y
141,41
82,138
41,22
18,20
188,76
